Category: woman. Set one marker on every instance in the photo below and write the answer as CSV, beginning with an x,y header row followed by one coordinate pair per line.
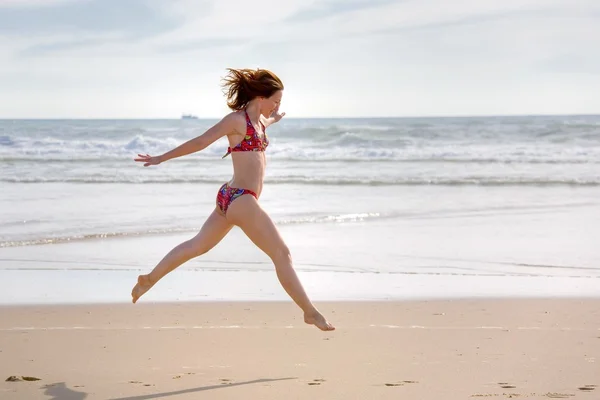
x,y
254,96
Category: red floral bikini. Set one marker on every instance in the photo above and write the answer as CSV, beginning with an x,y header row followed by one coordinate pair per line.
x,y
251,142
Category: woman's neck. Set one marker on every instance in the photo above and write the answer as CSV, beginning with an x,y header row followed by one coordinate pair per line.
x,y
253,111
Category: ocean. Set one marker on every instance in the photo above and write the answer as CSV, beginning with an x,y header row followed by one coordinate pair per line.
x,y
372,208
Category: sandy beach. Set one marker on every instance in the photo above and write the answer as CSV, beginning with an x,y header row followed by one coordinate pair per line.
x,y
440,349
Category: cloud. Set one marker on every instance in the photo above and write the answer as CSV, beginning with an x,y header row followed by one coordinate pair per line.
x,y
132,18
328,20
572,63
328,8
43,48
456,21
31,3
484,17
201,44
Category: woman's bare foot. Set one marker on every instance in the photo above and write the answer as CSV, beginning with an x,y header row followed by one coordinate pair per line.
x,y
317,319
143,285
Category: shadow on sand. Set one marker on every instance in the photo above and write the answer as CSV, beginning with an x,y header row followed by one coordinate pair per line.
x,y
60,391
198,389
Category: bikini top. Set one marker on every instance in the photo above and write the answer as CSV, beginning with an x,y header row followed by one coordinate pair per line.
x,y
252,141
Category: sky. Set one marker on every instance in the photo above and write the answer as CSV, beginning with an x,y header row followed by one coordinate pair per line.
x,y
336,58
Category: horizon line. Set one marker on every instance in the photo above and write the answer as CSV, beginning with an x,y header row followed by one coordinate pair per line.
x,y
313,117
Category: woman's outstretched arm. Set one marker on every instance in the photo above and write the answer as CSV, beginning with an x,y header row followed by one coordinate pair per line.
x,y
224,127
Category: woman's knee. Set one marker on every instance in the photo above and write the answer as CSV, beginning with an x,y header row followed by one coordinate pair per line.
x,y
281,254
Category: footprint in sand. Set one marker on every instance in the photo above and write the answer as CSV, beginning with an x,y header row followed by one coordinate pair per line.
x,y
587,388
145,384
505,385
22,378
402,383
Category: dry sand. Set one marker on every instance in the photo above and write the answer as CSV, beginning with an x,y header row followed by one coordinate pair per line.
x,y
459,349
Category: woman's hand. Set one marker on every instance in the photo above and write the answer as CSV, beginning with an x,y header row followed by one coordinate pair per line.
x,y
148,159
276,116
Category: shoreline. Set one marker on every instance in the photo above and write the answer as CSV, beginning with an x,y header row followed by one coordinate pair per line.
x,y
21,287
287,301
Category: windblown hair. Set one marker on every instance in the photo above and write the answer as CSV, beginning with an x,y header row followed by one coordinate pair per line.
x,y
242,85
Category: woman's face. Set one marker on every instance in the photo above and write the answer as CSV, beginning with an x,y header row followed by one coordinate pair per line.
x,y
271,104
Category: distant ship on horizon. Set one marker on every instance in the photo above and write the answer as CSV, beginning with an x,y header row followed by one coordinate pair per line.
x,y
188,116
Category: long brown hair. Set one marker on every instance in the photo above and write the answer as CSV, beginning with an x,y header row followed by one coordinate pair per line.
x,y
242,85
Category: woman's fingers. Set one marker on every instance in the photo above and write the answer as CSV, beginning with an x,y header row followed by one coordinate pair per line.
x,y
147,159
142,157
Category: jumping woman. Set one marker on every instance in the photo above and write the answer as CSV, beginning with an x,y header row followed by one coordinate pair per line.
x,y
254,96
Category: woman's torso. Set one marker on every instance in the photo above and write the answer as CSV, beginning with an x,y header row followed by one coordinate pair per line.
x,y
248,155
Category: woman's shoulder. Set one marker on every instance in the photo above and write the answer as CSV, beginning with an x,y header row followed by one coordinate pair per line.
x,y
237,120
236,115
